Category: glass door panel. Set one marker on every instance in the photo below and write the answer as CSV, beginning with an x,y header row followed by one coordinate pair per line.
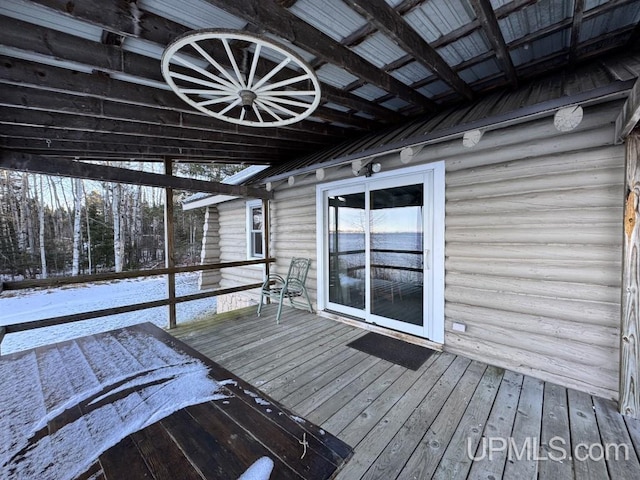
x,y
347,254
396,253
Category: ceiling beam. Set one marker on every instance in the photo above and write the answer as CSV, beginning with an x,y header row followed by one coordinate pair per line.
x,y
268,15
387,20
46,146
489,22
576,27
116,126
53,137
68,168
135,100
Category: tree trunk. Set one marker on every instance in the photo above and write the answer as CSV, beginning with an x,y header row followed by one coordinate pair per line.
x,y
118,243
40,205
77,237
88,228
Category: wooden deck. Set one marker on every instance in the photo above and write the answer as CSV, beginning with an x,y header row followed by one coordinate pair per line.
x,y
421,424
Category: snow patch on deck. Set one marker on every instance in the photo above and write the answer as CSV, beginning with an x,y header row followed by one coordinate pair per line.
x,y
87,396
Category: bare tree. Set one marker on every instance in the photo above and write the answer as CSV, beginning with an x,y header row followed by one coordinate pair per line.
x,y
77,232
41,227
118,241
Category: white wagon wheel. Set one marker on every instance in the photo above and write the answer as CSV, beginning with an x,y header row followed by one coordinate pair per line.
x,y
270,86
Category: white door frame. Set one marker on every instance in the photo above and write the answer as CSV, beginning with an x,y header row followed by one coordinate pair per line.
x,y
434,246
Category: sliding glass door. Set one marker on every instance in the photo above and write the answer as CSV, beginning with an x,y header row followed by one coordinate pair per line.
x,y
396,252
377,244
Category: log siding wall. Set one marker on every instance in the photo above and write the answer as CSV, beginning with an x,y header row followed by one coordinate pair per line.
x,y
533,246
210,248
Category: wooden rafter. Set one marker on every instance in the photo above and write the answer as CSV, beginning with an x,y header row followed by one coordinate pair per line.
x,y
117,147
68,168
269,16
135,102
489,22
576,27
392,24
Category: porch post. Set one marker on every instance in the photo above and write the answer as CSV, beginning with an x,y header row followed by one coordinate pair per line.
x,y
169,244
629,402
266,240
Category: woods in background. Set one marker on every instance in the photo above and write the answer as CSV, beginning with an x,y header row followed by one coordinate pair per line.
x,y
52,226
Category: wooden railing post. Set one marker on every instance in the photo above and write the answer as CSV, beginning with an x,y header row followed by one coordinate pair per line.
x,y
266,249
629,394
169,243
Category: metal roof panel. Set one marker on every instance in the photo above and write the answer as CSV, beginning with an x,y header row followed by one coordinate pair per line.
x,y
194,14
336,76
436,18
332,17
480,71
465,48
533,18
542,47
411,73
379,50
38,15
370,92
395,104
602,24
434,89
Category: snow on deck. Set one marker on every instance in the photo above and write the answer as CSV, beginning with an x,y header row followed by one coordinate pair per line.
x,y
87,395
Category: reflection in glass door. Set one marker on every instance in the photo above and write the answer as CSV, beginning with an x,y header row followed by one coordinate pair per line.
x,y
346,242
396,253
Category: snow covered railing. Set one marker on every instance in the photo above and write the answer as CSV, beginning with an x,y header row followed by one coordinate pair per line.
x,y
171,300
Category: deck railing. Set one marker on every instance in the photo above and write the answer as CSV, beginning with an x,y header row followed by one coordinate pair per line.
x,y
169,301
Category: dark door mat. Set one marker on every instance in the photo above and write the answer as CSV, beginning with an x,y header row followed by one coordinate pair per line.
x,y
393,350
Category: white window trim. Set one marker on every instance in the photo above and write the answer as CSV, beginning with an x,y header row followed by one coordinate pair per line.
x,y
251,204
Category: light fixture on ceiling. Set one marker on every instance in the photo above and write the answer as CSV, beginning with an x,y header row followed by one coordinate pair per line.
x,y
371,168
265,84
357,168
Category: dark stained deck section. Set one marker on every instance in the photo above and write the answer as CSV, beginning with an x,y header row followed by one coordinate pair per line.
x,y
422,424
137,403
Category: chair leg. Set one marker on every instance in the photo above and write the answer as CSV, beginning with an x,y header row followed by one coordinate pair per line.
x,y
260,304
279,307
308,300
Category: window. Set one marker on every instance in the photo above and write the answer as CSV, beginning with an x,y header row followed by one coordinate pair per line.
x,y
255,230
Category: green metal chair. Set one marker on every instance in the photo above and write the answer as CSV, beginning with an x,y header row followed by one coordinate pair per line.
x,y
292,287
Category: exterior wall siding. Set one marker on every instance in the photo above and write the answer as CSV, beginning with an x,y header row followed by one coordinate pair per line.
x,y
210,248
533,254
533,246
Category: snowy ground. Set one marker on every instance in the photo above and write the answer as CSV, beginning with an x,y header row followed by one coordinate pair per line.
x,y
29,305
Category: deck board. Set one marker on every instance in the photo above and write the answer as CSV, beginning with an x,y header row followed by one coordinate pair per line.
x,y
499,425
455,462
414,424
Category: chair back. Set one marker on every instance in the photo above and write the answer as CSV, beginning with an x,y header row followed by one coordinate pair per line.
x,y
298,270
